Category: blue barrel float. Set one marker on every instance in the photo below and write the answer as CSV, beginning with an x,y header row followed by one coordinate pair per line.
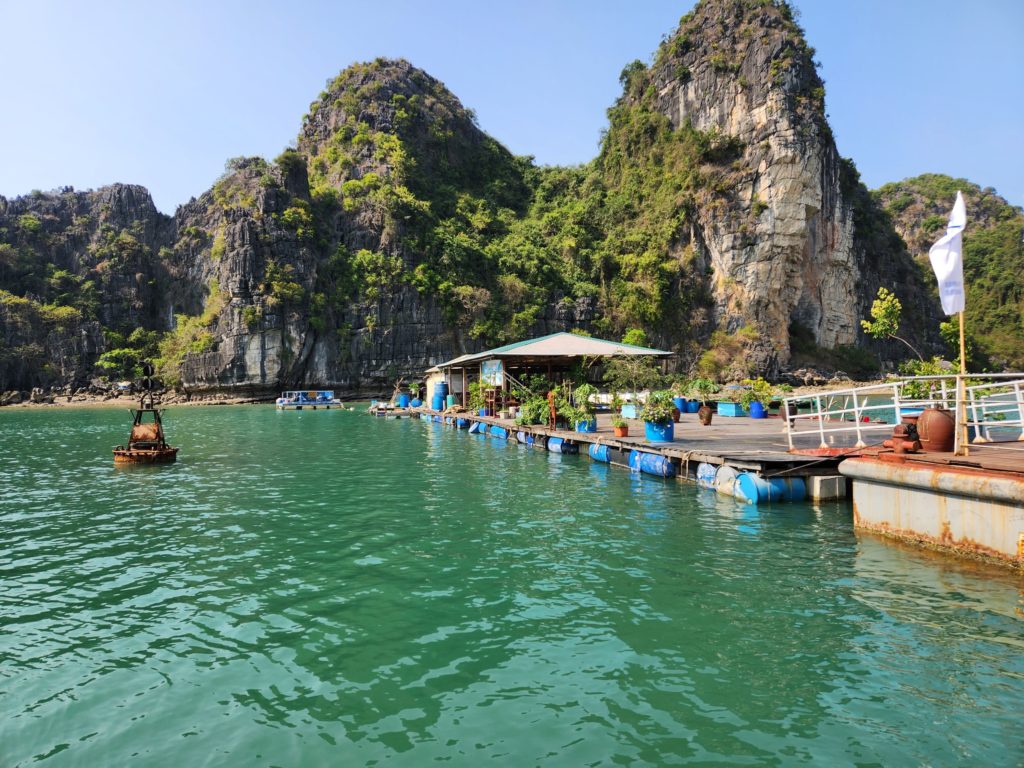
x,y
477,428
403,400
754,489
651,464
725,480
706,475
462,423
561,445
600,453
524,437
499,432
659,433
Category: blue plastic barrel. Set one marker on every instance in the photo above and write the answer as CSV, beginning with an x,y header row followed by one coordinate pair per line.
x,y
500,432
658,465
600,453
441,388
403,400
634,460
437,419
524,437
659,433
560,445
706,475
450,400
756,410
586,426
680,403
477,428
462,423
437,403
758,490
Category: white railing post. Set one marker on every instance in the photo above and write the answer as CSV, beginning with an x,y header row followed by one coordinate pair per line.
x,y
1019,402
821,421
856,416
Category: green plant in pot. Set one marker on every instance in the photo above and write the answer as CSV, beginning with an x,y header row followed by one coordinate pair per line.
x,y
703,389
620,426
756,397
477,398
534,410
584,408
657,416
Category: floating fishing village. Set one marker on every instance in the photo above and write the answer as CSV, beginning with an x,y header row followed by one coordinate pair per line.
x,y
703,444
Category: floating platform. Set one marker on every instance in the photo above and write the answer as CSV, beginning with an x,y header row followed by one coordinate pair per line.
x,y
733,448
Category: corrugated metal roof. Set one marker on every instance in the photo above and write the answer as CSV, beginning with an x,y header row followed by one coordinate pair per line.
x,y
559,345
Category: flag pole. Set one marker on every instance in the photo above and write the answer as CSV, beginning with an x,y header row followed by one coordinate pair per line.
x,y
961,392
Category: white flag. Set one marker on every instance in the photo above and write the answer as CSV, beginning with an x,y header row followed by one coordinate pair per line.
x,y
948,262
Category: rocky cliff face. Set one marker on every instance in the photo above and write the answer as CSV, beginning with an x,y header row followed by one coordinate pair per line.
x,y
397,234
791,242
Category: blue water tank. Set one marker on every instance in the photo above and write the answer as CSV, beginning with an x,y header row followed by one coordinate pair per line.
x,y
754,489
403,400
441,388
600,453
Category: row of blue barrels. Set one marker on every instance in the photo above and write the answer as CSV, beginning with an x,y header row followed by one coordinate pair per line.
x,y
750,487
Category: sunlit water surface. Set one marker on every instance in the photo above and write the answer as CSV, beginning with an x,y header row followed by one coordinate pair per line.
x,y
327,588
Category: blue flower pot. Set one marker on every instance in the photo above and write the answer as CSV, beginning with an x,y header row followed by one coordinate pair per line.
x,y
692,406
586,426
680,403
659,433
757,410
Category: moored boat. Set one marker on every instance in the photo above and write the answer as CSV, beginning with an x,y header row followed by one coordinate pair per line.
x,y
298,400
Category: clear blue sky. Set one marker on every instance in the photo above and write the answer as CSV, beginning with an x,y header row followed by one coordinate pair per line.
x,y
162,94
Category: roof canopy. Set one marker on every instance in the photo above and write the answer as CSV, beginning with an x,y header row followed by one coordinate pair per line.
x,y
555,345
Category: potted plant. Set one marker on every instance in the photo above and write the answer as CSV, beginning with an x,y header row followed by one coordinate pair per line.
x,y
477,399
756,397
679,390
630,373
657,417
703,389
585,421
620,426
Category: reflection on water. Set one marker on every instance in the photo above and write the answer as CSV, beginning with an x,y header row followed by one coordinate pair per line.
x,y
328,588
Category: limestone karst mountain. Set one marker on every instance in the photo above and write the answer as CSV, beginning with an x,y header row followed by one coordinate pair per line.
x,y
396,233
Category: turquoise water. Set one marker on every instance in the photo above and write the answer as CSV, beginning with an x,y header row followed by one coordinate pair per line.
x,y
306,589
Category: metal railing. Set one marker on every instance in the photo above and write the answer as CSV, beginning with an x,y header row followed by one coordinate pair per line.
x,y
992,406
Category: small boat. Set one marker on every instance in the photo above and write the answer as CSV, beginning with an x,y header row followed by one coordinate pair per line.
x,y
146,443
310,399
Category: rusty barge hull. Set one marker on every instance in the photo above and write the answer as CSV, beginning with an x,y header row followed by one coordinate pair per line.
x,y
969,511
141,456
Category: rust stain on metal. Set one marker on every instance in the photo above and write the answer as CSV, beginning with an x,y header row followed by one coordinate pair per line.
x,y
963,547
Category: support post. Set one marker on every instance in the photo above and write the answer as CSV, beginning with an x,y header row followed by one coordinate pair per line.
x,y
961,397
